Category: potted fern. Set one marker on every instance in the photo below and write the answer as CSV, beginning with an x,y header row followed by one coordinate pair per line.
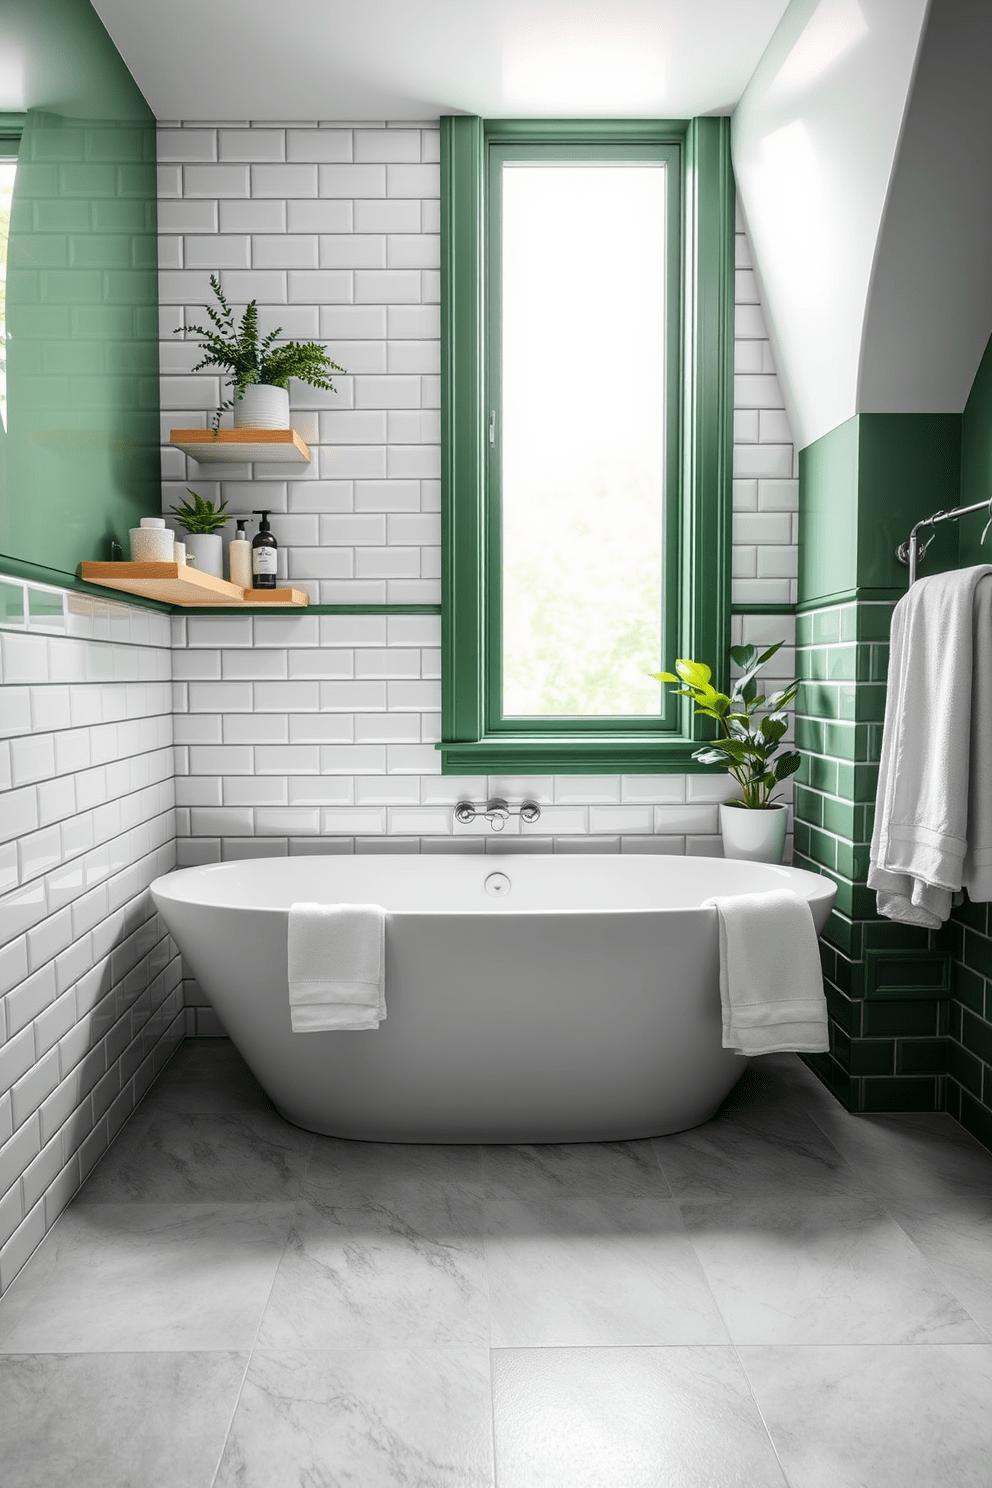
x,y
751,749
258,369
203,521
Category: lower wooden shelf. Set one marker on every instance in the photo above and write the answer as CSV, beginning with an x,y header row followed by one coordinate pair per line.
x,y
175,583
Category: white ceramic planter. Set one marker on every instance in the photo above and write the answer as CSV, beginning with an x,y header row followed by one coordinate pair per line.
x,y
756,835
262,407
206,549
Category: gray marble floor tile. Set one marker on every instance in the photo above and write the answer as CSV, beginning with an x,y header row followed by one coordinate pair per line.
x,y
796,1078
372,1418
213,1059
115,1420
958,1245
837,1270
351,1171
628,1418
586,1272
752,1152
585,1170
209,1082
400,1271
147,1277
176,1157
762,1085
882,1417
914,1157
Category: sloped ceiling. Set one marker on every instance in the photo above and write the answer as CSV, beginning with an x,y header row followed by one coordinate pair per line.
x,y
416,59
929,311
815,139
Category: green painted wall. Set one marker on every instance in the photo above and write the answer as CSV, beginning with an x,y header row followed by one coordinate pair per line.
x,y
79,462
863,486
976,461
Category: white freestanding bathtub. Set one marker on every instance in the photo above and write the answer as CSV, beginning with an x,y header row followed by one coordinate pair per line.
x,y
528,998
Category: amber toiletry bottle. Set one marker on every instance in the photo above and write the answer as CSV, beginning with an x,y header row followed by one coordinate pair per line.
x,y
264,549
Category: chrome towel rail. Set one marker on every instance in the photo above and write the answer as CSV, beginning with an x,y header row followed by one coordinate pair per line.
x,y
914,548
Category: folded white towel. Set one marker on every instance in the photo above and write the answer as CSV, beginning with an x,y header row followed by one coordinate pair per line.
x,y
933,812
771,984
337,959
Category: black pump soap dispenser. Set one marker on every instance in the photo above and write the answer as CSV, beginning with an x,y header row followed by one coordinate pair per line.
x,y
264,549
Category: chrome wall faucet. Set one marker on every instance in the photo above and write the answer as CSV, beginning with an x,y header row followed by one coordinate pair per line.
x,y
496,812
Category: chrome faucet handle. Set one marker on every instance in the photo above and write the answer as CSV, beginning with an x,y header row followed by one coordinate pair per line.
x,y
530,812
465,813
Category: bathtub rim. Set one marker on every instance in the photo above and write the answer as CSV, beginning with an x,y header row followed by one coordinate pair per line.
x,y
821,890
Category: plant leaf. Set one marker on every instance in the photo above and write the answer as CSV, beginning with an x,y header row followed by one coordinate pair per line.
x,y
695,673
743,656
786,765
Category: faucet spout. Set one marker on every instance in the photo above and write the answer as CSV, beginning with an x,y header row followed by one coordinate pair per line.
x,y
497,813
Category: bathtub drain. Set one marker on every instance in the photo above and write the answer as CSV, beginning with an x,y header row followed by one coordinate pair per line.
x,y
498,884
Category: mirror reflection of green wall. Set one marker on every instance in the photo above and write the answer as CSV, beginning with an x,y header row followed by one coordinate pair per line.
x,y
79,459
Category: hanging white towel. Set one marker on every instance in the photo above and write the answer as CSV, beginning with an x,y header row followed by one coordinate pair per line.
x,y
771,984
337,959
933,813
977,875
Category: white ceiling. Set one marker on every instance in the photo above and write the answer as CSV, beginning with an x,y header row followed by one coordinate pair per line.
x,y
416,59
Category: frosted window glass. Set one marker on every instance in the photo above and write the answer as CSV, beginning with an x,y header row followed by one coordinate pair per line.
x,y
7,169
583,438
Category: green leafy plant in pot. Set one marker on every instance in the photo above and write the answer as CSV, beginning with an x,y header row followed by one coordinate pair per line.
x,y
259,370
203,522
750,747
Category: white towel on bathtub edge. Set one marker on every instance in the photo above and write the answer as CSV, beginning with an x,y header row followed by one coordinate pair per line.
x,y
337,963
771,983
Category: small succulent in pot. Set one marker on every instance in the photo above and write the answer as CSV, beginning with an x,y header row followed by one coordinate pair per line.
x,y
250,359
199,515
203,521
749,747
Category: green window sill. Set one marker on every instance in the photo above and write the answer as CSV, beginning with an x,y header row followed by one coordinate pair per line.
x,y
617,754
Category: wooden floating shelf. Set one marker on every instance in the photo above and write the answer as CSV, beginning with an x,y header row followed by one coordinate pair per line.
x,y
178,584
236,445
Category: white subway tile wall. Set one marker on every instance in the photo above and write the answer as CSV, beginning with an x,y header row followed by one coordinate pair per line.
x,y
335,232
90,983
326,743
307,733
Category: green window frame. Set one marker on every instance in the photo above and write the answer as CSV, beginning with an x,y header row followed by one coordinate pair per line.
x,y
475,738
11,129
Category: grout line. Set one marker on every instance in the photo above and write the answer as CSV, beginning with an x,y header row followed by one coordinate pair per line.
x,y
761,1415
261,1315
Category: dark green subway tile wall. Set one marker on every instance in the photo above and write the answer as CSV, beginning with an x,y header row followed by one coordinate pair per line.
x,y
79,459
886,984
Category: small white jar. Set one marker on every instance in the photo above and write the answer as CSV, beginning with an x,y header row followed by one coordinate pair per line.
x,y
152,542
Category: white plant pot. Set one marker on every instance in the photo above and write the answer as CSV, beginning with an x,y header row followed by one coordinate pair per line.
x,y
206,549
262,407
758,835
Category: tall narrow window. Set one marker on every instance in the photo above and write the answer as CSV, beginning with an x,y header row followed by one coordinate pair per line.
x,y
582,312
587,340
8,167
